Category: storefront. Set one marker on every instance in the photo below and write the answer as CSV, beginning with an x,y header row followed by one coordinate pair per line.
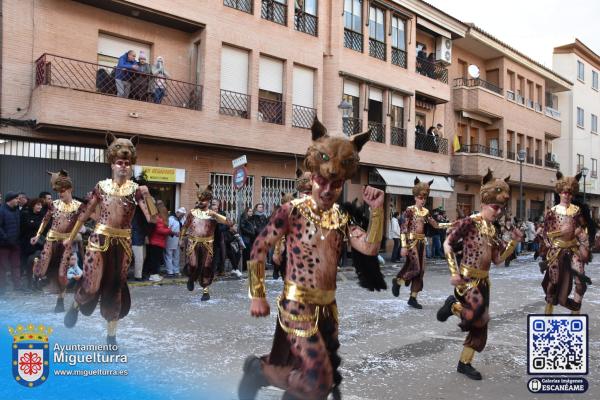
x,y
164,183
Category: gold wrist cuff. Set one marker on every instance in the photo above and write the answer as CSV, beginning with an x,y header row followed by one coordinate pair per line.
x,y
510,248
375,231
452,264
40,230
220,218
445,225
256,279
75,230
403,240
152,210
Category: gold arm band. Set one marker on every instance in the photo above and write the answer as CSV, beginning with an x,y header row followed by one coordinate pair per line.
x,y
152,210
445,225
75,230
256,279
40,231
375,231
452,264
510,248
220,218
403,240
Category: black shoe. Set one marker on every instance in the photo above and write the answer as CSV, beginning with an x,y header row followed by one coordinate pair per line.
x,y
275,274
111,340
60,305
138,279
395,287
468,370
71,316
445,311
205,296
252,380
412,301
190,285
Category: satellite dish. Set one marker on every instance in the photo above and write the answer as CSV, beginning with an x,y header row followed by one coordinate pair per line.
x,y
473,71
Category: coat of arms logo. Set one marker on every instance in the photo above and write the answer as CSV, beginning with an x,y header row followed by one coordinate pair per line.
x,y
30,354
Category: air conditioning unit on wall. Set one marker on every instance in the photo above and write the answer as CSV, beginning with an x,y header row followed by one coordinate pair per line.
x,y
443,49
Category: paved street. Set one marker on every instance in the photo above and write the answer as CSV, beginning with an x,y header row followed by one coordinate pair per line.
x,y
189,349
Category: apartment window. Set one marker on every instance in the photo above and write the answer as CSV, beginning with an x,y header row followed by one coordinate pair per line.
x,y
594,123
352,124
594,168
271,189
580,71
242,5
595,80
305,17
353,24
110,48
303,112
274,10
580,117
580,160
376,33
271,108
234,82
398,42
375,115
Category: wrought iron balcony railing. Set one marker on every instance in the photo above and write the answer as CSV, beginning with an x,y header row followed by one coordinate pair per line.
x,y
538,161
550,163
551,112
242,5
399,57
519,99
433,70
377,131
529,159
80,75
398,136
274,11
434,144
529,103
235,104
306,23
272,111
353,40
303,117
377,49
537,107
511,155
477,83
479,149
510,95
351,126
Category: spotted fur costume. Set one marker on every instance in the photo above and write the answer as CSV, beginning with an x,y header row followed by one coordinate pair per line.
x,y
54,259
566,250
303,360
481,245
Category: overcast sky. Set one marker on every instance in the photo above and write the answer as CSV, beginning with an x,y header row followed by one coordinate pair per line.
x,y
533,27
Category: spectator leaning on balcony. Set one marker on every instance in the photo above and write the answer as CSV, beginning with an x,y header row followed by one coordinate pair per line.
x,y
141,79
158,85
123,75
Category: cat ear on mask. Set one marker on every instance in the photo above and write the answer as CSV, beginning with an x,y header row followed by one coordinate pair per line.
x,y
62,172
488,177
135,140
299,173
578,177
209,187
109,138
417,180
430,182
507,179
559,175
317,129
50,173
197,185
360,139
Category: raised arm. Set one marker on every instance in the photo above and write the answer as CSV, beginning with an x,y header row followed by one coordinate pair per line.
x,y
85,211
368,242
502,250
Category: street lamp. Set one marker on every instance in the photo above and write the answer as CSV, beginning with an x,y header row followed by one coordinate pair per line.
x,y
521,158
346,108
584,172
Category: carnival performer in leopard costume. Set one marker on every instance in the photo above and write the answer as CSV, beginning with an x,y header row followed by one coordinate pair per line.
x,y
62,214
412,239
303,360
566,247
108,252
199,230
481,245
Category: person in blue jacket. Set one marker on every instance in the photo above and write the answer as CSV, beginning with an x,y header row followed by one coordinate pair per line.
x,y
123,74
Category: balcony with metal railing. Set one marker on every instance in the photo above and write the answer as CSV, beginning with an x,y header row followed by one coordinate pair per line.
x,y
538,161
272,111
477,82
478,95
433,144
234,104
551,112
303,117
398,136
353,40
274,11
53,70
242,5
399,57
377,49
433,70
550,163
307,23
351,126
377,131
480,149
529,159
511,155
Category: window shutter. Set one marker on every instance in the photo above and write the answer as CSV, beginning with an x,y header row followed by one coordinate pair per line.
x,y
303,87
270,75
352,88
115,47
376,94
397,100
234,70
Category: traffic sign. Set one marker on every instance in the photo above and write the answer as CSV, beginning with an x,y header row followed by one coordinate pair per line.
x,y
238,162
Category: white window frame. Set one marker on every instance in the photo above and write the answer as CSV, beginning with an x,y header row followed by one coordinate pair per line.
x,y
580,71
376,18
398,22
594,123
580,120
595,80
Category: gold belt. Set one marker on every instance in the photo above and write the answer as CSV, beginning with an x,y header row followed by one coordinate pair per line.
x,y
475,276
416,236
564,244
558,245
204,241
330,309
106,230
553,234
303,295
54,236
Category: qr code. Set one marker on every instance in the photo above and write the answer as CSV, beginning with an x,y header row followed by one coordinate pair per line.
x,y
557,344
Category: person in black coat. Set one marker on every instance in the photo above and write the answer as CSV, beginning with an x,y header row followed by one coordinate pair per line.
x,y
10,255
30,223
248,232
